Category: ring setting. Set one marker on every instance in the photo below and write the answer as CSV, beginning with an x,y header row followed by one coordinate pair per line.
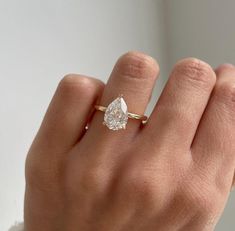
x,y
116,114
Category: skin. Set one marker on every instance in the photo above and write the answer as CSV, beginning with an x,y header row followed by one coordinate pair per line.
x,y
174,173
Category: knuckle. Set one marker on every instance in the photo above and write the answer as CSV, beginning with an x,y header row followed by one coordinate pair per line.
x,y
137,65
72,79
196,72
226,92
224,69
73,84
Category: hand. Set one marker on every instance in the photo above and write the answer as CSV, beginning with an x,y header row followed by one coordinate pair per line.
x,y
174,173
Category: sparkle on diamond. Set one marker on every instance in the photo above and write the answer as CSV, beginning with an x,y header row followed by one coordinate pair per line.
x,y
116,114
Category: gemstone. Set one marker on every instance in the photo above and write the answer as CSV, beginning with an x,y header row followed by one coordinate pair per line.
x,y
116,114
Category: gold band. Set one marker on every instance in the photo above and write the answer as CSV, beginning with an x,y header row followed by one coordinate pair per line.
x,y
143,118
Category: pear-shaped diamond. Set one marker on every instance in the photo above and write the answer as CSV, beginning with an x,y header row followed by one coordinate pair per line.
x,y
116,114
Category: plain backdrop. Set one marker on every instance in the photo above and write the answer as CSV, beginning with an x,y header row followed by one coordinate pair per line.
x,y
41,41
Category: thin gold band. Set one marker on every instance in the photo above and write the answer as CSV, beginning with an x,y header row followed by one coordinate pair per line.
x,y
143,118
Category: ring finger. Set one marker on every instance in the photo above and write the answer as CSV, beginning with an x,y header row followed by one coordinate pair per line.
x,y
133,77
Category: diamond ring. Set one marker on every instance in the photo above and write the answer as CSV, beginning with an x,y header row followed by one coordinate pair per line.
x,y
116,114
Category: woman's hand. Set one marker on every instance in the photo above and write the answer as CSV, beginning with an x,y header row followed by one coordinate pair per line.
x,y
174,173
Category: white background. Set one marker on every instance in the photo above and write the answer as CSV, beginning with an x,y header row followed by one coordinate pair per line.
x,y
41,41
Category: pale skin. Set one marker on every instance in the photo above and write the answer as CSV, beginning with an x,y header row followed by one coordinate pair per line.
x,y
173,174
